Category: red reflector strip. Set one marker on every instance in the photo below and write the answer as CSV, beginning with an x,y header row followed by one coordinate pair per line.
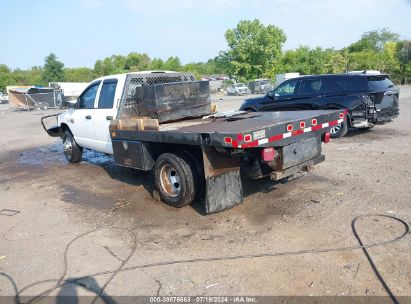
x,y
316,127
249,144
247,138
275,137
297,132
333,123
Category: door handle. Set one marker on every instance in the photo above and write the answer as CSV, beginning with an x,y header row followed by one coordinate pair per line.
x,y
88,117
109,117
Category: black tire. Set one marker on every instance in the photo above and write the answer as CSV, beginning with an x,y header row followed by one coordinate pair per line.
x,y
72,151
175,179
198,171
340,130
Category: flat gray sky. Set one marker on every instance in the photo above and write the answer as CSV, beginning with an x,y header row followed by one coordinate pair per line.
x,y
81,31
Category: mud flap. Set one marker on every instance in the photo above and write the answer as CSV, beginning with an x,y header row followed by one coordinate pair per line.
x,y
223,182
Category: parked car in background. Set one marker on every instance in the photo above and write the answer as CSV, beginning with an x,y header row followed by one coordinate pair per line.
x,y
260,86
369,98
4,98
238,89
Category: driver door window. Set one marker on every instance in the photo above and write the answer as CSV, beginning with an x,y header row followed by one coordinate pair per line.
x,y
286,90
86,100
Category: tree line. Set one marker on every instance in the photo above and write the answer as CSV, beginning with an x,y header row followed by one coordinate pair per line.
x,y
254,51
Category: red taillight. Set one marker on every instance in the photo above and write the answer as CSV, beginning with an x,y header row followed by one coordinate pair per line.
x,y
326,137
228,140
341,115
289,128
240,137
302,125
268,154
314,122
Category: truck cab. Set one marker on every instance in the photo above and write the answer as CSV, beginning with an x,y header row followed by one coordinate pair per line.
x,y
90,117
96,107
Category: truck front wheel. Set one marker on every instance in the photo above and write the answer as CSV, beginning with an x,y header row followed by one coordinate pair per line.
x,y
175,179
72,151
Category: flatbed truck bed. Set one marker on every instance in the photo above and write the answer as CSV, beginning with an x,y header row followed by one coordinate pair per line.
x,y
225,146
265,129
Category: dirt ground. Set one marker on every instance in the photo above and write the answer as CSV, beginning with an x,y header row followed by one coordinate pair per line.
x,y
367,172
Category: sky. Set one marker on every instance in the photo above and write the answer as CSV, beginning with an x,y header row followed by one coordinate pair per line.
x,y
80,32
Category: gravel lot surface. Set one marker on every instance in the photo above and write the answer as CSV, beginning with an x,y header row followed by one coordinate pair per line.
x,y
367,172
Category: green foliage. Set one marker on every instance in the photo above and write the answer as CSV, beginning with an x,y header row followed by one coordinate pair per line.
x,y
5,77
172,64
404,57
374,40
252,49
309,61
156,64
78,74
110,65
20,77
137,62
337,62
53,69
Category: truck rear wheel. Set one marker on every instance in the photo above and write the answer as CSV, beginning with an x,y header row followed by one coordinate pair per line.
x,y
72,151
175,179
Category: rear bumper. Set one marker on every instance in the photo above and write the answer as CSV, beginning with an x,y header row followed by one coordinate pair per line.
x,y
372,117
305,166
289,159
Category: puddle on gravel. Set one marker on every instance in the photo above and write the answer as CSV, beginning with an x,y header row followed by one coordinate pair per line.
x,y
53,154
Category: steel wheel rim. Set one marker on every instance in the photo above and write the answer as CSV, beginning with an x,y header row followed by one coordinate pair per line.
x,y
336,129
170,180
68,148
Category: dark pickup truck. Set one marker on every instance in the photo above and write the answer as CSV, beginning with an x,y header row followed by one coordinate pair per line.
x,y
163,122
369,98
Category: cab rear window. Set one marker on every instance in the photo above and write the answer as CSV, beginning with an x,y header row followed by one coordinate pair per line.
x,y
379,82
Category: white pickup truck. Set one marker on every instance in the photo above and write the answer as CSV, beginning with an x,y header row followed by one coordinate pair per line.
x,y
163,122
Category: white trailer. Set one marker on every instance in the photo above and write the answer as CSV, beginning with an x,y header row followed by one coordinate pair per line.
x,y
283,77
71,90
